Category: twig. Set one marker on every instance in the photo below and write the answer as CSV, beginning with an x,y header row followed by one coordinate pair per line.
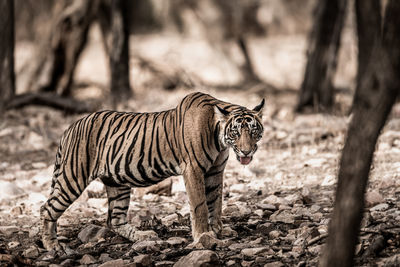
x,y
316,239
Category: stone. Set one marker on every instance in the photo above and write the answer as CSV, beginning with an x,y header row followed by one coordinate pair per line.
x,y
266,206
285,216
145,235
274,264
315,208
391,261
104,257
13,244
238,246
238,188
274,200
31,252
143,260
199,258
207,241
92,233
15,211
293,198
259,213
33,231
87,259
228,232
68,262
8,231
230,263
274,234
170,219
164,264
247,263
373,198
115,263
176,241
380,207
251,252
148,245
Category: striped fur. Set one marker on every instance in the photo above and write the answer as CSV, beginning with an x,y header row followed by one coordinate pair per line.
x,y
129,150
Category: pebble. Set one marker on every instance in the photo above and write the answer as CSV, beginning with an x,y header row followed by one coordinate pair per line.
x,y
176,241
164,264
148,245
145,235
115,263
274,200
87,259
31,252
274,234
143,260
227,231
13,244
170,219
380,207
373,198
284,216
104,257
266,206
251,252
8,230
92,233
199,258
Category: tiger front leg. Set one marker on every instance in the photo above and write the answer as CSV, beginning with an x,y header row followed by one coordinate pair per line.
x,y
195,189
214,201
213,189
118,204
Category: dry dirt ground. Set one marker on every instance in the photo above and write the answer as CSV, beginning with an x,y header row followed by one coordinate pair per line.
x,y
275,210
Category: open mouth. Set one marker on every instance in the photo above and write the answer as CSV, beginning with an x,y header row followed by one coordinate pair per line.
x,y
244,160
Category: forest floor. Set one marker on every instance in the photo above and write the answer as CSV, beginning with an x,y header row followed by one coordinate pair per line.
x,y
275,210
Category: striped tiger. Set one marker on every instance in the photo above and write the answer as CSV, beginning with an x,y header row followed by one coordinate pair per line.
x,y
126,150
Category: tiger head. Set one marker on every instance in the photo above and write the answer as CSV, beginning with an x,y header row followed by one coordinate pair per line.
x,y
241,130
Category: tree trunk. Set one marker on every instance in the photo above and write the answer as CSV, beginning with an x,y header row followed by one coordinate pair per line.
x,y
68,40
317,89
119,52
368,16
7,75
379,85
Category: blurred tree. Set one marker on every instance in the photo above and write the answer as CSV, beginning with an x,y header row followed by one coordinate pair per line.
x,y
69,38
7,75
317,89
119,52
368,31
377,89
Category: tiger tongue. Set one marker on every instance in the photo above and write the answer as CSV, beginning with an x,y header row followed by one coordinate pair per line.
x,y
245,160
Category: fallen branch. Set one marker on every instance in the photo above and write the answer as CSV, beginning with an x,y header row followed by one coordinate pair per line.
x,y
316,239
66,104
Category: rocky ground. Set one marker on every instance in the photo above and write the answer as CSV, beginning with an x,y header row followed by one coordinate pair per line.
x,y
276,210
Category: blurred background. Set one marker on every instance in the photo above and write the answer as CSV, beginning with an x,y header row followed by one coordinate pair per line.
x,y
257,46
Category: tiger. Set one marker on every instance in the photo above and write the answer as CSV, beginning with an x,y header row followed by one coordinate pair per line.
x,y
126,149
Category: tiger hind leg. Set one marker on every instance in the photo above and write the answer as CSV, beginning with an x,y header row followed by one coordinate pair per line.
x,y
63,194
118,205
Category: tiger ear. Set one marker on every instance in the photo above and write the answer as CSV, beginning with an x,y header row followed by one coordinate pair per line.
x,y
221,113
259,108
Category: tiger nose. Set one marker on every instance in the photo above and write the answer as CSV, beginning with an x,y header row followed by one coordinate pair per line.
x,y
246,152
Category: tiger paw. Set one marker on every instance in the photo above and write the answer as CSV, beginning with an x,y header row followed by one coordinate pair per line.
x,y
51,244
216,227
126,230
